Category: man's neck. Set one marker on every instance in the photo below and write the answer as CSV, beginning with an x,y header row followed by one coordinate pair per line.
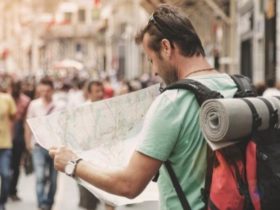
x,y
188,65
46,101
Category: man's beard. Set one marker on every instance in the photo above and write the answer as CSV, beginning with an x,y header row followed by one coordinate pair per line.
x,y
169,74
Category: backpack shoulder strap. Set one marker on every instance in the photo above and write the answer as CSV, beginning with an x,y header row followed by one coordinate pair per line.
x,y
181,195
201,92
244,86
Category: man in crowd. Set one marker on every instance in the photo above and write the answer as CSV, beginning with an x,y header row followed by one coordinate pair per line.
x,y
95,92
22,102
7,114
46,175
171,128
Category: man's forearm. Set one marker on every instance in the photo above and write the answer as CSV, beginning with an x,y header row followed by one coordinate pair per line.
x,y
27,136
129,181
118,182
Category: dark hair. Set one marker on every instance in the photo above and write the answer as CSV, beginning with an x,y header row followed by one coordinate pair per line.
x,y
16,89
47,81
270,82
92,83
170,23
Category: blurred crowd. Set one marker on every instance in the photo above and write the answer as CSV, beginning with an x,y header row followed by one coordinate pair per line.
x,y
22,98
70,85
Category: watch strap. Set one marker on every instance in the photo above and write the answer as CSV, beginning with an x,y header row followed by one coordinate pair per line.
x,y
75,163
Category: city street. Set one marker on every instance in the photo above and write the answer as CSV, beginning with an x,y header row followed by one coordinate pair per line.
x,y
67,196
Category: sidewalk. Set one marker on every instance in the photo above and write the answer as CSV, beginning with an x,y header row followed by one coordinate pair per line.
x,y
67,196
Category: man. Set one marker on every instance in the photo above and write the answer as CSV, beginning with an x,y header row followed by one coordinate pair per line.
x,y
171,127
7,114
22,102
46,175
271,89
95,92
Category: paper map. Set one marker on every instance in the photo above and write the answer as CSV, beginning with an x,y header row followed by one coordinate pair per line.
x,y
104,132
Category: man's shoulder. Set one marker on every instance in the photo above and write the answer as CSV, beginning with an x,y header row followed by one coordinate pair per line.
x,y
5,96
36,103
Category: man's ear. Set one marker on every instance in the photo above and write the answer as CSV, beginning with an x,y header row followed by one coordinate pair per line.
x,y
166,48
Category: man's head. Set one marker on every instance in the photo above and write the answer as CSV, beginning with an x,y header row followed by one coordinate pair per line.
x,y
95,91
16,89
169,32
46,89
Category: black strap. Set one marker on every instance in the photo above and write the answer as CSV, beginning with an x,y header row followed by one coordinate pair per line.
x,y
208,179
278,97
243,188
182,197
273,113
212,206
244,86
257,121
155,178
201,92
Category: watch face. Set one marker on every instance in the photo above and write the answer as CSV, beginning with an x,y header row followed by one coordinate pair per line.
x,y
69,169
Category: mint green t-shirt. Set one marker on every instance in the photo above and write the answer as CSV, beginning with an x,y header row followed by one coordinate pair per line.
x,y
171,132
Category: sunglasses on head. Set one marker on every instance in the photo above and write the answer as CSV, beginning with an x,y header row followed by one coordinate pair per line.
x,y
165,29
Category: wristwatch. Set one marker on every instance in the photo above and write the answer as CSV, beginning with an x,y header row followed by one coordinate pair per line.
x,y
71,167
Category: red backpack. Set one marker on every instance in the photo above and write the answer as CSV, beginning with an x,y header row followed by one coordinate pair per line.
x,y
243,176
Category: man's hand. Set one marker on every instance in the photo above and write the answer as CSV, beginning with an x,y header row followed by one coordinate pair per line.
x,y
61,157
29,148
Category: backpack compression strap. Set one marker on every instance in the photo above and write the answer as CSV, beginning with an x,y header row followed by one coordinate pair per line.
x,y
246,89
244,86
273,119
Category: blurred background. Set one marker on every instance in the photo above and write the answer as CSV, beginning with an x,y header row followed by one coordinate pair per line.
x,y
96,37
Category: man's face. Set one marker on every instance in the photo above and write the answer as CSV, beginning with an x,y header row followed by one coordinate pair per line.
x,y
46,92
96,93
160,66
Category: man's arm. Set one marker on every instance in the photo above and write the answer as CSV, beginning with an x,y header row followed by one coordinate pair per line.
x,y
27,130
12,109
27,137
128,182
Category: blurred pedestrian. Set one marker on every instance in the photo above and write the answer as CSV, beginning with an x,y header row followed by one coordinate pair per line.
x,y
76,96
271,89
260,88
62,95
108,89
124,88
7,114
22,102
46,175
95,92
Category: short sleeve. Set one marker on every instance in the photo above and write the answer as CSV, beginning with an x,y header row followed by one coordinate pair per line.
x,y
30,110
12,106
161,129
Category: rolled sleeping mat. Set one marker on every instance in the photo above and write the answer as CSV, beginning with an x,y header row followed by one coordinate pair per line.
x,y
224,120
